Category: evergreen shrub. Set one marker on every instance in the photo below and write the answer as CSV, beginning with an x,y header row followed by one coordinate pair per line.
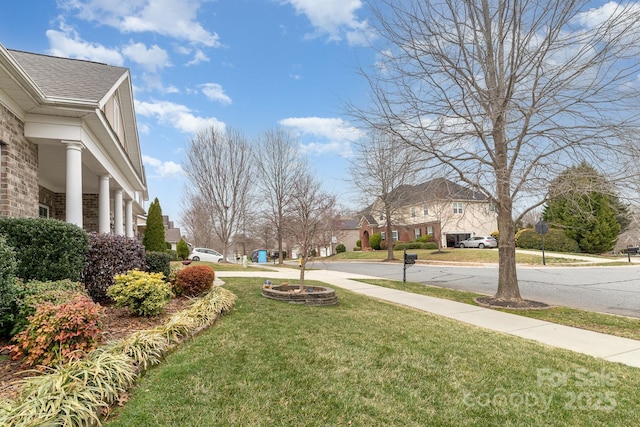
x,y
340,248
375,240
59,333
46,249
182,249
146,294
159,262
195,280
8,290
109,255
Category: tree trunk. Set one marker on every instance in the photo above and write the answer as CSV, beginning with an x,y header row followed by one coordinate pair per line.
x,y
507,276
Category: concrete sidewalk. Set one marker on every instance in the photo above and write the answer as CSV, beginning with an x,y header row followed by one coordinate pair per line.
x,y
607,347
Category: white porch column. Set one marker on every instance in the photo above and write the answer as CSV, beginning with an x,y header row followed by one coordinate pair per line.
x,y
104,207
73,204
117,213
128,218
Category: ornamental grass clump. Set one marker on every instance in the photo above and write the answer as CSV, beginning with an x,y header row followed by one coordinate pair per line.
x,y
146,294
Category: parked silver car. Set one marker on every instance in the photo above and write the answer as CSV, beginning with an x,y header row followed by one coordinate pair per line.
x,y
204,254
480,242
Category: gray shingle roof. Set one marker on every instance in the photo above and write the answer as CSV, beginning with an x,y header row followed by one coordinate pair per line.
x,y
69,78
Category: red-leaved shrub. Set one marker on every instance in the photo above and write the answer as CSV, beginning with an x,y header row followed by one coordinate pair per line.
x,y
195,280
58,333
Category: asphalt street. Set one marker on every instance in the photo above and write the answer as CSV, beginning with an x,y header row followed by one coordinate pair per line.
x,y
614,290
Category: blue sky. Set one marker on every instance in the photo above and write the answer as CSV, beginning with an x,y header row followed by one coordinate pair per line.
x,y
250,65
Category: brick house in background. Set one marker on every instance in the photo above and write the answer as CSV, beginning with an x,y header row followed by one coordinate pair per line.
x,y
69,146
439,208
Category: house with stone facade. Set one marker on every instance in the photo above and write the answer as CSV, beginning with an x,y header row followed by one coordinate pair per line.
x,y
445,211
69,146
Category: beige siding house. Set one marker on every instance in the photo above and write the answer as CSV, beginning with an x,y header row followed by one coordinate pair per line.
x,y
69,143
444,210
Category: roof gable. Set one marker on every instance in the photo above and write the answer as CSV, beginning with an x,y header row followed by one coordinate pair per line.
x,y
69,78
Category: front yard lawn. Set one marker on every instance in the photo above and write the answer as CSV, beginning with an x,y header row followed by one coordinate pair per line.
x,y
371,363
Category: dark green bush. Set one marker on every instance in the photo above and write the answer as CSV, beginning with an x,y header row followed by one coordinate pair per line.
x,y
46,249
359,243
554,240
340,248
107,256
8,290
375,240
182,249
33,293
159,262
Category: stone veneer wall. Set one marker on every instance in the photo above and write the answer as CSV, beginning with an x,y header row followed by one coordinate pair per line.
x,y
19,193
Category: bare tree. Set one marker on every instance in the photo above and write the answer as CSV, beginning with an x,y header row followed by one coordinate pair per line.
x,y
382,166
507,93
219,167
196,222
279,165
307,217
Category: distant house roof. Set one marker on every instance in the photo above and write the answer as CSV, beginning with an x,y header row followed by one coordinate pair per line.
x,y
369,218
435,189
69,78
346,224
172,235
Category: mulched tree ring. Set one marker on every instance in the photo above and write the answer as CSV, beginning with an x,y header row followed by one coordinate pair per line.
x,y
310,295
522,304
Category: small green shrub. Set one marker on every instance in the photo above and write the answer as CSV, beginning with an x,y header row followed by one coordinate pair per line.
x,y
375,240
33,293
46,249
159,262
146,294
195,280
182,249
109,255
8,290
59,333
359,243
554,240
527,238
340,248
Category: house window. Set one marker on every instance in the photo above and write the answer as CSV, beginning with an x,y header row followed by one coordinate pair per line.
x,y
430,230
43,211
418,233
457,207
394,235
383,235
413,212
425,210
492,207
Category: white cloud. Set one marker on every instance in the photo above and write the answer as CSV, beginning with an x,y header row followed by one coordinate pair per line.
x,y
152,59
171,18
176,115
214,92
335,19
198,57
158,168
336,133
67,43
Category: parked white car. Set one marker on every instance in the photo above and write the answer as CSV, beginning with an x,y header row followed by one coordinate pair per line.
x,y
205,254
479,242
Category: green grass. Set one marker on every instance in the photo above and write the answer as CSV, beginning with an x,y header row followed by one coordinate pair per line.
x,y
370,363
600,322
225,266
455,255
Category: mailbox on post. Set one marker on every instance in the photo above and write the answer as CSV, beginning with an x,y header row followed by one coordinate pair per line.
x,y
409,260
